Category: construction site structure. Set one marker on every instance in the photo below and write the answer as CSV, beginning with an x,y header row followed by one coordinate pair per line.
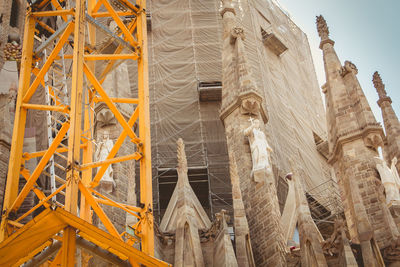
x,y
74,35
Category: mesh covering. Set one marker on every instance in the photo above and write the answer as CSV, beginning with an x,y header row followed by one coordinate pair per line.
x,y
185,49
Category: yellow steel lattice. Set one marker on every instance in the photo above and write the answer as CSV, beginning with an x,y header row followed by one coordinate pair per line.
x,y
73,41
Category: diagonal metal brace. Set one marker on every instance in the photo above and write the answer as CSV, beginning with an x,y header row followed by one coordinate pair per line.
x,y
102,28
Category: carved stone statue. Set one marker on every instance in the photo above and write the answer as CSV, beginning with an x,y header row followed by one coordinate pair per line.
x,y
103,149
394,171
259,150
390,179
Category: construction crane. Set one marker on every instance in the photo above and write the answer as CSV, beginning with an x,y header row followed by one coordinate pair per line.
x,y
60,33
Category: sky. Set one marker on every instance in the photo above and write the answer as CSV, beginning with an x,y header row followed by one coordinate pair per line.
x,y
366,32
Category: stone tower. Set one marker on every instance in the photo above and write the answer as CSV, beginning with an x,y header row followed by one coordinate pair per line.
x,y
353,137
241,103
390,121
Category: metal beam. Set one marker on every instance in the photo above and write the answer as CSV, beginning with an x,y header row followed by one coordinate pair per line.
x,y
44,255
102,253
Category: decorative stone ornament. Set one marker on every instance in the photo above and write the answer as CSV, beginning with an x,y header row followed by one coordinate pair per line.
x,y
106,118
250,107
322,27
373,140
379,85
236,32
254,100
348,67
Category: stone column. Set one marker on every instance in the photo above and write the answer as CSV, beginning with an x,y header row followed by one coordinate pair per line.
x,y
242,103
390,121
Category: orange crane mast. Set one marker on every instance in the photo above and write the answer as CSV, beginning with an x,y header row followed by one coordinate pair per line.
x,y
64,225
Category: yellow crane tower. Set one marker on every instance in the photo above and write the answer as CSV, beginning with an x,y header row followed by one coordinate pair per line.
x,y
64,222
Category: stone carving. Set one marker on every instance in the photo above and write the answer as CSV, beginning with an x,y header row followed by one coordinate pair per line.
x,y
390,179
106,118
104,147
373,140
260,150
394,171
236,32
349,67
250,107
378,84
322,27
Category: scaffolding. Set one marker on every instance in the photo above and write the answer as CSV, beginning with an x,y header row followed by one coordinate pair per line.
x,y
326,206
77,38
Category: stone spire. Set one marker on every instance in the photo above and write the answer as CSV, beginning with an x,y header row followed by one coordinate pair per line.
x,y
390,121
240,105
354,136
185,217
348,111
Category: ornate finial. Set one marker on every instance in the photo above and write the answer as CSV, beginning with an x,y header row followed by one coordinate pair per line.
x,y
380,87
182,161
227,6
322,27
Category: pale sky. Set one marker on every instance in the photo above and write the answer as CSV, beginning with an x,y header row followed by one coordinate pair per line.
x,y
366,32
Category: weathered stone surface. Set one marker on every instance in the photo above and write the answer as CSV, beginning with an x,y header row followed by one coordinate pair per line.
x,y
244,252
354,136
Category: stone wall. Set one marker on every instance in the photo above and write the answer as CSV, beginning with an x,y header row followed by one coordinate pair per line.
x,y
358,164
